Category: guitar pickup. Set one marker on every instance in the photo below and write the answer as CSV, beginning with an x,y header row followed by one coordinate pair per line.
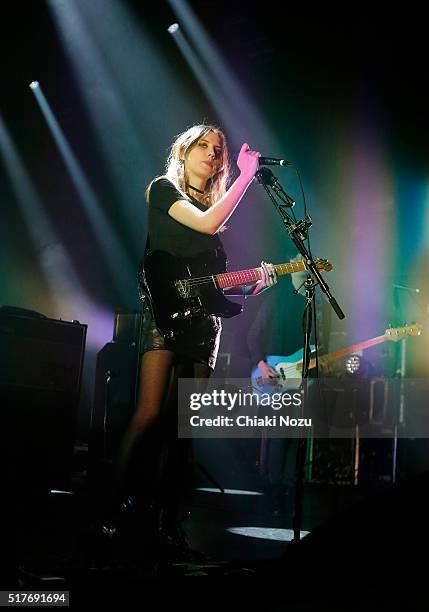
x,y
182,287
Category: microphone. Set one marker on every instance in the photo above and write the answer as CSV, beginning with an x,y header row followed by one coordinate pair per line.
x,y
273,161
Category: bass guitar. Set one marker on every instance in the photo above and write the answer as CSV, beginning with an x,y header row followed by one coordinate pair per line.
x,y
289,368
180,288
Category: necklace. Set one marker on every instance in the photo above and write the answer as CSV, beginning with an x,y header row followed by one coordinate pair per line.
x,y
195,189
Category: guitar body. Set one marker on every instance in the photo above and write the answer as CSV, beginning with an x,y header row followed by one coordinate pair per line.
x,y
181,289
287,367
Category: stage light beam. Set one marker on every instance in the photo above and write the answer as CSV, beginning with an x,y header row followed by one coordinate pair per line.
x,y
115,256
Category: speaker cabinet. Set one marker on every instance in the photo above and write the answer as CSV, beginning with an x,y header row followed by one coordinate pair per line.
x,y
114,398
40,375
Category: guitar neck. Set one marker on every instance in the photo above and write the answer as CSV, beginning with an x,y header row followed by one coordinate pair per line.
x,y
345,351
243,277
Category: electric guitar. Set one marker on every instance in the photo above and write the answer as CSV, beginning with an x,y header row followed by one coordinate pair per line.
x,y
289,368
182,288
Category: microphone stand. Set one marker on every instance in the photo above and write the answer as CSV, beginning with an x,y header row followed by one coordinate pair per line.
x,y
298,231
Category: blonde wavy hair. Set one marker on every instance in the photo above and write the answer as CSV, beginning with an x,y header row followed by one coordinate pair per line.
x,y
175,168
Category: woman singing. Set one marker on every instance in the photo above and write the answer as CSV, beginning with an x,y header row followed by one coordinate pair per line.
x,y
188,207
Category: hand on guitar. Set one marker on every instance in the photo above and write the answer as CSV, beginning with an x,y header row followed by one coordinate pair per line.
x,y
269,278
266,370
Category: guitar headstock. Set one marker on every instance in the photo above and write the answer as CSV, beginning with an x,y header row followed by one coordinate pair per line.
x,y
399,333
324,264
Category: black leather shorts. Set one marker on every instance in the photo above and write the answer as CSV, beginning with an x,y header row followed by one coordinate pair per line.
x,y
198,339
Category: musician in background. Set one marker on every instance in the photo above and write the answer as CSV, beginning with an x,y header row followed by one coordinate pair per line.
x,y
277,327
188,208
277,330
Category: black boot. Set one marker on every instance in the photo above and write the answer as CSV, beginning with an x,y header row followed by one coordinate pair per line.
x,y
173,540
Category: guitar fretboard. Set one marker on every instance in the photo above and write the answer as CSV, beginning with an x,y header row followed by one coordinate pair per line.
x,y
243,277
354,348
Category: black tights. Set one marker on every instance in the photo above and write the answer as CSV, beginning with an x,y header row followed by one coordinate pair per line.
x,y
152,461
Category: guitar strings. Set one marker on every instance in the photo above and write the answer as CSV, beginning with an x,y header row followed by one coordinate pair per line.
x,y
207,279
200,280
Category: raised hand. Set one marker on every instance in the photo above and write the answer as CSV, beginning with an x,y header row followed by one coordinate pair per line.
x,y
247,161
